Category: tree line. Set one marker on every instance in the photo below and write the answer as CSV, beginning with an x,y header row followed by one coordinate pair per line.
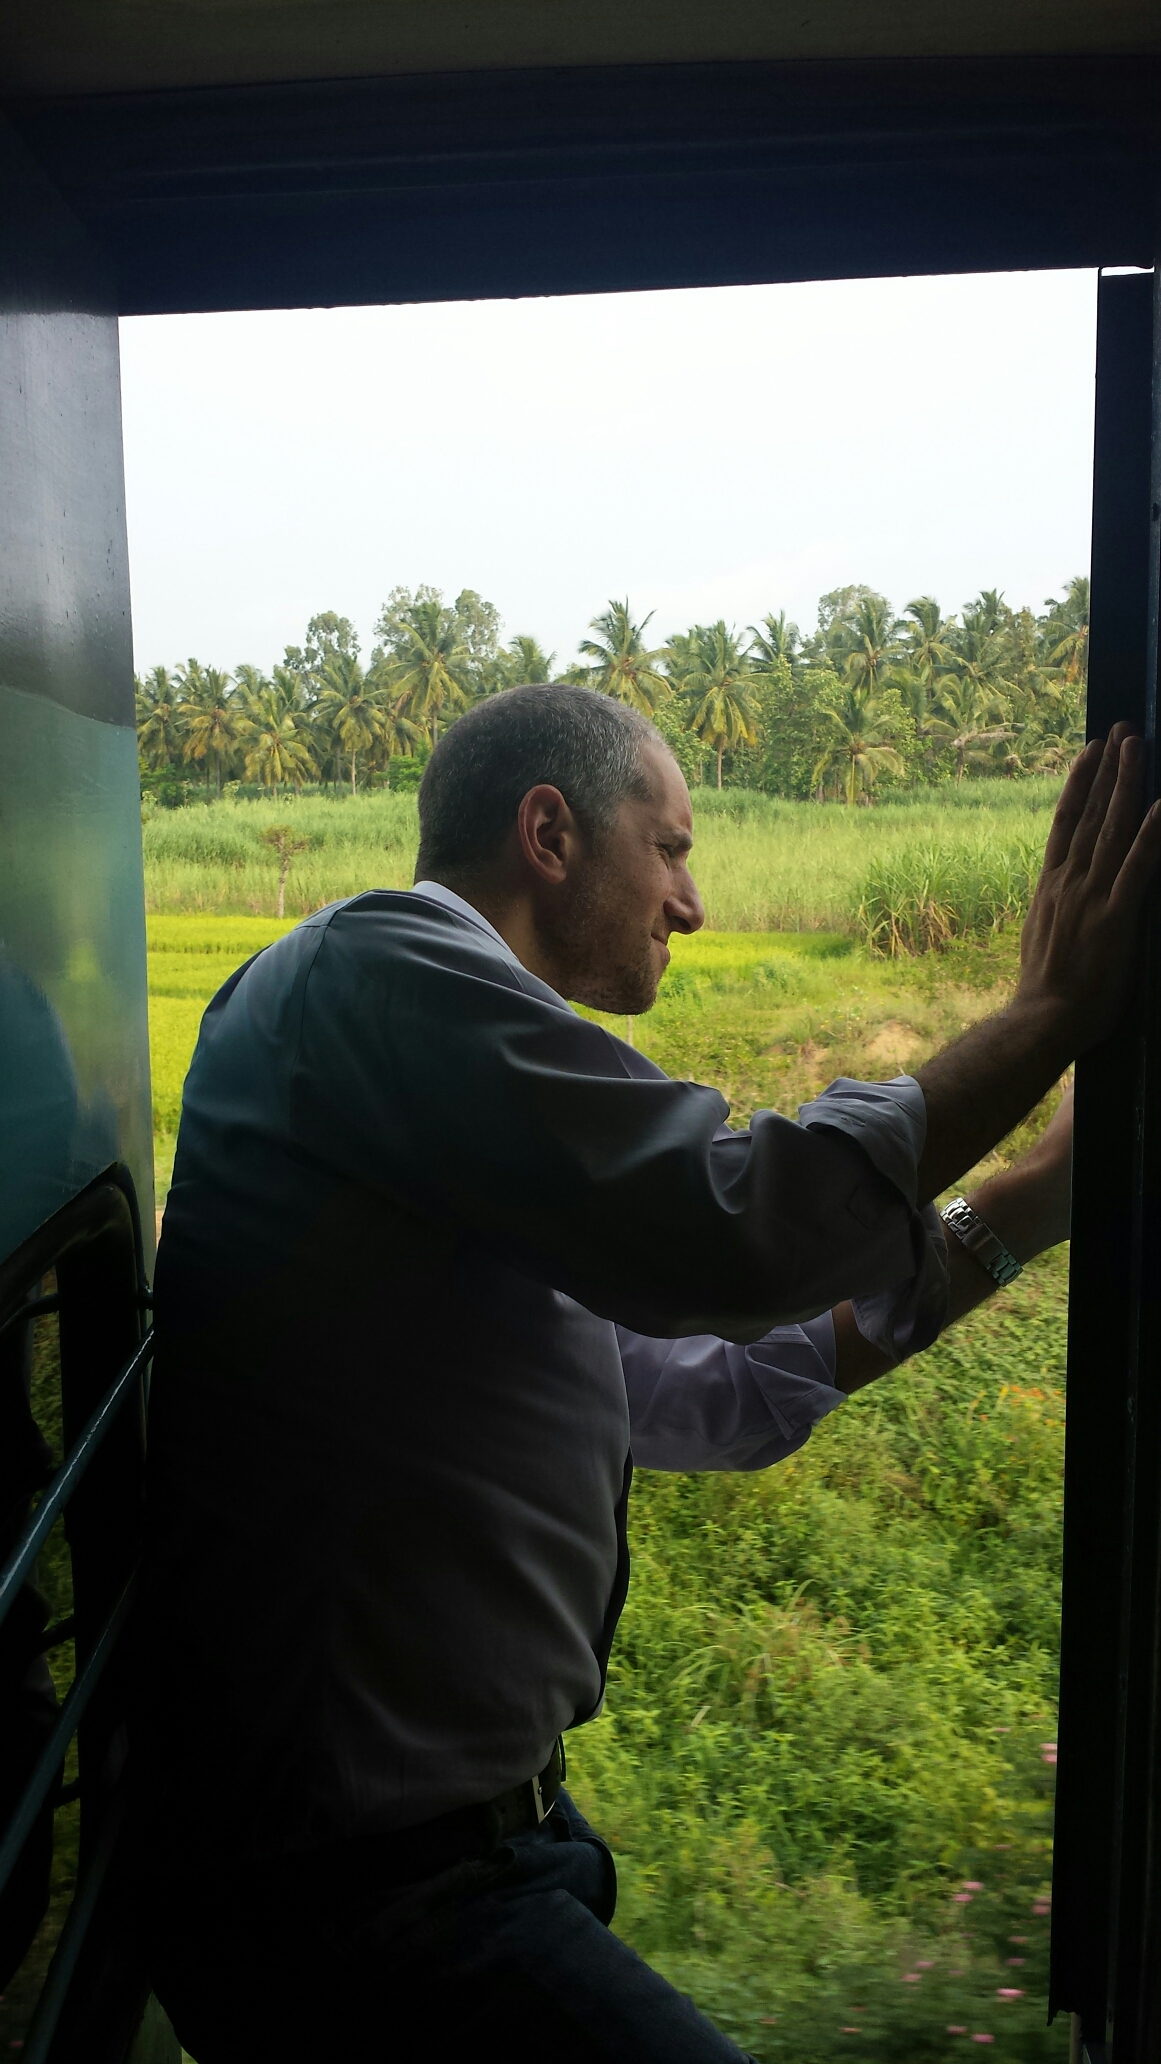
x,y
868,699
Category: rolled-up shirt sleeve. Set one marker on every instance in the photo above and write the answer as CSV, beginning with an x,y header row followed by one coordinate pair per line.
x,y
706,1403
889,1122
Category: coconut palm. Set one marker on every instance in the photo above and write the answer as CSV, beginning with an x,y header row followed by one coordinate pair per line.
x,y
158,724
1059,732
209,718
929,652
349,708
966,710
1066,632
870,643
716,684
776,644
981,644
860,747
430,670
274,738
916,693
620,662
927,656
524,663
680,657
401,735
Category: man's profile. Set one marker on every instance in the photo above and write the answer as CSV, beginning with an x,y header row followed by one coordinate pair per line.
x,y
441,1259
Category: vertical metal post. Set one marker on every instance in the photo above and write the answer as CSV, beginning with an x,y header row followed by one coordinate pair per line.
x,y
1103,1940
1136,2007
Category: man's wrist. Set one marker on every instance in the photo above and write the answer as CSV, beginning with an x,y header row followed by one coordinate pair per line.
x,y
1019,1207
981,1240
1044,1024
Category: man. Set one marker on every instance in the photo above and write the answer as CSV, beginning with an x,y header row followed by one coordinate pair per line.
x,y
437,1254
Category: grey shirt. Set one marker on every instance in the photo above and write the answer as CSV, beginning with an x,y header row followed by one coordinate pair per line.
x,y
437,1254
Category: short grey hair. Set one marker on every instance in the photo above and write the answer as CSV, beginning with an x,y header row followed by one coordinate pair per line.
x,y
585,744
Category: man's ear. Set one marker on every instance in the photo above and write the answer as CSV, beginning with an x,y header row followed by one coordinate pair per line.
x,y
548,833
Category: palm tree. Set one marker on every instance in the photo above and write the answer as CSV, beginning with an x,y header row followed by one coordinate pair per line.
x,y
620,662
524,663
776,643
158,726
927,655
929,652
1066,631
350,709
870,643
1059,732
274,738
717,685
680,656
430,670
966,708
208,717
399,733
860,746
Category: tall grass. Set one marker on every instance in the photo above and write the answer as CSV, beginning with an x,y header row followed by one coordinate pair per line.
x,y
762,865
920,898
211,858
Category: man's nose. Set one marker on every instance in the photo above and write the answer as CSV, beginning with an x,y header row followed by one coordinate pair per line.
x,y
684,907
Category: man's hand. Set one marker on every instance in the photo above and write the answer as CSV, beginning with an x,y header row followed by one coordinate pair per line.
x,y
1076,949
1077,954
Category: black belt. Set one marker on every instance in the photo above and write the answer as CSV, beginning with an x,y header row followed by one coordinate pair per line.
x,y
404,1855
357,1871
527,1804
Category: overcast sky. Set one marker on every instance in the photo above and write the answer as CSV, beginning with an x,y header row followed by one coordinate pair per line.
x,y
709,453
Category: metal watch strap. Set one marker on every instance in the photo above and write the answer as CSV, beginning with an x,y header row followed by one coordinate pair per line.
x,y
980,1241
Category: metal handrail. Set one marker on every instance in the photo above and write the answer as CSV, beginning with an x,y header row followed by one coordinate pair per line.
x,y
68,1720
67,1477
54,1991
36,1308
107,1205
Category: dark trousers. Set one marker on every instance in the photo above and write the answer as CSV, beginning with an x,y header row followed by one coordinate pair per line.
x,y
506,1956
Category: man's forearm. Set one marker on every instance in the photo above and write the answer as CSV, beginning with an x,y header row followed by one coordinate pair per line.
x,y
982,1085
857,1363
1026,1206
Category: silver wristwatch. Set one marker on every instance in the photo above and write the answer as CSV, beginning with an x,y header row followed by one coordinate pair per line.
x,y
979,1239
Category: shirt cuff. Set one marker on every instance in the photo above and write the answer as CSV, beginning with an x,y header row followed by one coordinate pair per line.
x,y
888,1120
905,1319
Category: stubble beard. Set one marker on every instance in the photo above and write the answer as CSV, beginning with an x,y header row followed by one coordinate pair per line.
x,y
602,958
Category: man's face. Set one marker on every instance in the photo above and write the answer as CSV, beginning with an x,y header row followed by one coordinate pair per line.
x,y
610,934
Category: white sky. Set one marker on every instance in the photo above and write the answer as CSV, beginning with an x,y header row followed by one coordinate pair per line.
x,y
709,453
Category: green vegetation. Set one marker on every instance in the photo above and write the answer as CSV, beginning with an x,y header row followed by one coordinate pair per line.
x,y
918,899
826,1758
830,1714
762,864
869,702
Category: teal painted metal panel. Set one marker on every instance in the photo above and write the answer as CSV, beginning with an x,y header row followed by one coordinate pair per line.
x,y
74,1076
74,1056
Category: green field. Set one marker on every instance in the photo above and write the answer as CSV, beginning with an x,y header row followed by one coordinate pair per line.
x,y
834,1681
762,865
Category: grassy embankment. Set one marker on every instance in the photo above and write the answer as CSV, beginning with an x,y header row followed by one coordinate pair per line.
x,y
821,1761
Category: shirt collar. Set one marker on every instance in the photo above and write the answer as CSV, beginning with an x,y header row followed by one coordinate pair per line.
x,y
435,892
